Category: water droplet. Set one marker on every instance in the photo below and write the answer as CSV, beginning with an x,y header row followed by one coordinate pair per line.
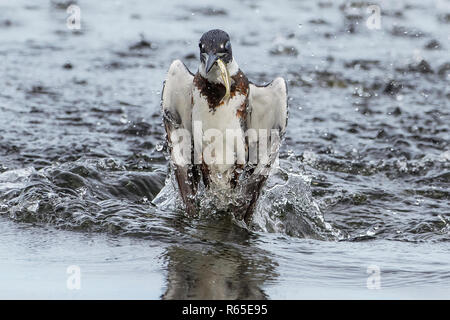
x,y
159,147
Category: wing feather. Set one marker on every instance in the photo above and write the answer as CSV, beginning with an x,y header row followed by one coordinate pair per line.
x,y
177,96
177,114
269,105
268,110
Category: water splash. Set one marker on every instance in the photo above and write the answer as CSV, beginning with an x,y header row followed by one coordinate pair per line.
x,y
285,206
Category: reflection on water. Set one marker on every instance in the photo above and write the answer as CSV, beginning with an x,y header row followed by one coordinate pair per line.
x,y
224,264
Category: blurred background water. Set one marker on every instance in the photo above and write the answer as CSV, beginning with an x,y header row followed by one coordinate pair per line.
x,y
364,172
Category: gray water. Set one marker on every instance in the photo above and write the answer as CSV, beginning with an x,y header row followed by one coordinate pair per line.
x,y
364,173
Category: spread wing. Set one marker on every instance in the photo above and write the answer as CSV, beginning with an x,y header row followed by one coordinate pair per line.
x,y
268,114
177,97
177,116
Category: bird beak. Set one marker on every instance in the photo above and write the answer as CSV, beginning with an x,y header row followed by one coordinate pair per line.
x,y
225,78
212,58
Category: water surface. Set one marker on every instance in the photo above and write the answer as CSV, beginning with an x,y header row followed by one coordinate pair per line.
x,y
364,172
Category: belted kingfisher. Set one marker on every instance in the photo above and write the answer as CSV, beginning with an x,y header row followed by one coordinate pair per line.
x,y
225,122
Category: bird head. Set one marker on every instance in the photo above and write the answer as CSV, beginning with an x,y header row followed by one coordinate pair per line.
x,y
216,58
214,46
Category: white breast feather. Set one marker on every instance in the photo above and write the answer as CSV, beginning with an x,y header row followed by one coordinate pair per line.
x,y
224,117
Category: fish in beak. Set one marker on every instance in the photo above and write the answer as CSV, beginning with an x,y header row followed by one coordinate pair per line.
x,y
225,75
225,78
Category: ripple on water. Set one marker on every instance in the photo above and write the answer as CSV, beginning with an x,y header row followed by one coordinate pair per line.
x,y
370,130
